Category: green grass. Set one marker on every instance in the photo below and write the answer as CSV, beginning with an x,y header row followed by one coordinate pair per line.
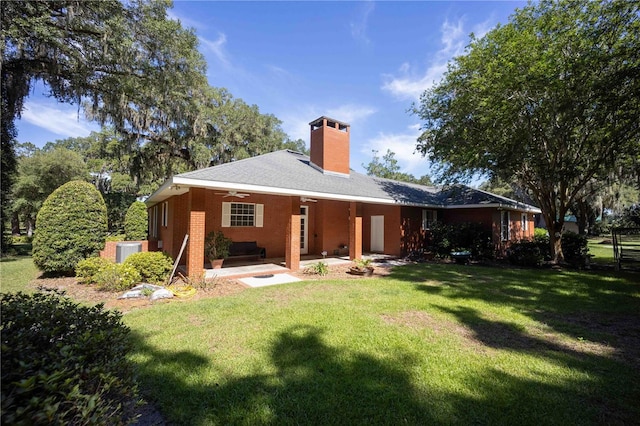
x,y
16,272
431,344
602,253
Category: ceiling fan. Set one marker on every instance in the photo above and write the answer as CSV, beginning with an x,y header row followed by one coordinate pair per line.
x,y
232,194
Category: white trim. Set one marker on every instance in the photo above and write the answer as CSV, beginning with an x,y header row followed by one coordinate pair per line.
x,y
304,237
181,185
258,214
502,225
426,224
165,214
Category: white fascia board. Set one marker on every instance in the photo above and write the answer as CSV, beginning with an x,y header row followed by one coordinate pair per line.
x,y
524,207
156,197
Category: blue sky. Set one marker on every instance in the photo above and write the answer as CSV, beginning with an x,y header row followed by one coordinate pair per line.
x,y
362,62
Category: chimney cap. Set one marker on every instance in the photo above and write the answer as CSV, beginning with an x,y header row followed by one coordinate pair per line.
x,y
318,122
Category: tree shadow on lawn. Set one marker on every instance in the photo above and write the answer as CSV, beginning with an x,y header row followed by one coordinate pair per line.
x,y
309,382
601,307
615,386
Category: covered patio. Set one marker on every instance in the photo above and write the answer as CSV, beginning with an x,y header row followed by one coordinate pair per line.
x,y
277,265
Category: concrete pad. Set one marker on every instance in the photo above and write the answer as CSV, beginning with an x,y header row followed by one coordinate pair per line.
x,y
270,279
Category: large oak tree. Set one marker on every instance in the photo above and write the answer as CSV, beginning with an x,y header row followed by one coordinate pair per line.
x,y
129,65
550,100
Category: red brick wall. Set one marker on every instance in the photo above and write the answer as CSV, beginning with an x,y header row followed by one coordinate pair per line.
x,y
412,236
331,225
330,149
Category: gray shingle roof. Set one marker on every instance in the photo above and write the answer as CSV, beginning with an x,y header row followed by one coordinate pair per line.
x,y
289,172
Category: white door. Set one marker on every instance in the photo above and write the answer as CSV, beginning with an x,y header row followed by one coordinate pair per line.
x,y
304,229
377,234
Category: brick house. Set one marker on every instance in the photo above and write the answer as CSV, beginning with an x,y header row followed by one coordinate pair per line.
x,y
293,204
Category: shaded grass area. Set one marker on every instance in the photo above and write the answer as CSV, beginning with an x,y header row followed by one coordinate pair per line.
x,y
601,250
443,344
16,272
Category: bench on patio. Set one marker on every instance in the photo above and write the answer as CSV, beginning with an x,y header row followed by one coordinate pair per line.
x,y
626,245
246,250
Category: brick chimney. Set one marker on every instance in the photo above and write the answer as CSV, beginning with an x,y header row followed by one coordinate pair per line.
x,y
330,146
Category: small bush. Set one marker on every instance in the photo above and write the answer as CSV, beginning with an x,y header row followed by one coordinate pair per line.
x,y
116,237
541,238
135,222
153,267
575,249
87,269
71,226
474,237
63,363
525,253
20,239
319,268
117,277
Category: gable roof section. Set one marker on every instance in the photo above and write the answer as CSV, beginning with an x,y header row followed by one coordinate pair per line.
x,y
290,173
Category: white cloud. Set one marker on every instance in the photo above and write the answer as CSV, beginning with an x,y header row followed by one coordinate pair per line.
x,y
296,124
56,119
217,47
186,22
350,113
410,84
359,27
403,145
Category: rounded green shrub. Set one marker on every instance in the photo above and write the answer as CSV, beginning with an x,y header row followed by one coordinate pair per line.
x,y
117,277
63,363
135,222
575,249
153,266
87,269
525,253
71,226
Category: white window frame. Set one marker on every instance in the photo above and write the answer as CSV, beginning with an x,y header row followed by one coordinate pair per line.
x,y
165,214
524,223
153,223
427,222
505,227
257,216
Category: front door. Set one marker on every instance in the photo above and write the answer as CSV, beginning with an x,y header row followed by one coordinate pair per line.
x,y
304,230
377,234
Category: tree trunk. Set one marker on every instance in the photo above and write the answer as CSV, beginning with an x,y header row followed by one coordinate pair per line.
x,y
554,227
582,219
15,224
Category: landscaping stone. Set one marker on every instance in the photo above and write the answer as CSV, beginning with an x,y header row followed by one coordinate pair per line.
x,y
162,293
141,290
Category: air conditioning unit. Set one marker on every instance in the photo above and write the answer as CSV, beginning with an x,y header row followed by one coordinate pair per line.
x,y
124,250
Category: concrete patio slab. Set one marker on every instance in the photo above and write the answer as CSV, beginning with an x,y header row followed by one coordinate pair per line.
x,y
269,279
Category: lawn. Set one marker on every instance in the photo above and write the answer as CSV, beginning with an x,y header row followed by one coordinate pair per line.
x,y
16,272
430,344
602,250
